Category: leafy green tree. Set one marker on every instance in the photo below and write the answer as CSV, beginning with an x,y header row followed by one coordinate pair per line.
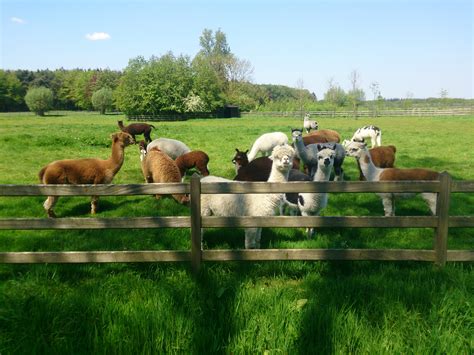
x,y
39,100
102,99
11,92
335,95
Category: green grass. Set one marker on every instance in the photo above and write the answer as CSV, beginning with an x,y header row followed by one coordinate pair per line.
x,y
273,307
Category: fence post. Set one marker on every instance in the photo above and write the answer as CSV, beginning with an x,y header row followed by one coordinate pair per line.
x,y
442,211
196,251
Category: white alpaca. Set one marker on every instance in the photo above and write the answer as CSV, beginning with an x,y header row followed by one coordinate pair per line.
x,y
372,173
172,147
230,205
372,132
309,124
311,204
266,142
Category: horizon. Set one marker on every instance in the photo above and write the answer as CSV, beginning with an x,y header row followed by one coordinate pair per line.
x,y
412,49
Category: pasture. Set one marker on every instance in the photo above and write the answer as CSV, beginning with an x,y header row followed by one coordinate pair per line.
x,y
288,307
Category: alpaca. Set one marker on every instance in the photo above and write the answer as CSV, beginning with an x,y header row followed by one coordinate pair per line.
x,y
172,147
137,128
372,173
309,155
266,142
311,204
250,204
158,167
85,171
241,160
309,124
372,132
382,157
194,159
322,136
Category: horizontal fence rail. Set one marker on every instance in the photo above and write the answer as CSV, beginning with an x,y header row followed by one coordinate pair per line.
x,y
441,222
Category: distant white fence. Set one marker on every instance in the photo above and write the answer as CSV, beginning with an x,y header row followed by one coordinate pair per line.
x,y
459,111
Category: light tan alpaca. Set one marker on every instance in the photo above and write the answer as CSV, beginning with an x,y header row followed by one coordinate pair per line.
x,y
85,171
158,167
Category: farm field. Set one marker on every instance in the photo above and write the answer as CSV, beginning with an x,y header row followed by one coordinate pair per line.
x,y
279,307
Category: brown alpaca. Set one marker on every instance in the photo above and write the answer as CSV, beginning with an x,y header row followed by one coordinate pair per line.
x,y
85,171
137,128
322,136
158,167
194,159
382,157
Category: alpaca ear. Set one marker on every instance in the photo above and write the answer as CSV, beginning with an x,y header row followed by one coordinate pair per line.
x,y
114,137
319,147
246,151
237,150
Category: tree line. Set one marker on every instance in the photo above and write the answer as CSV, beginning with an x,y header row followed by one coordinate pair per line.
x,y
214,78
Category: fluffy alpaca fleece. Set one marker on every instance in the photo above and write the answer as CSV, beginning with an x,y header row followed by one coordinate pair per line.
x,y
309,154
372,132
266,142
172,147
137,128
85,171
311,204
158,167
309,124
194,159
322,136
250,204
372,173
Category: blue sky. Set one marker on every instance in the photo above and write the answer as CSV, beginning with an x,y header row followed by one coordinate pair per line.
x,y
413,47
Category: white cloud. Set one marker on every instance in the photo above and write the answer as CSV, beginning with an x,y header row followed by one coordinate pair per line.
x,y
18,20
97,36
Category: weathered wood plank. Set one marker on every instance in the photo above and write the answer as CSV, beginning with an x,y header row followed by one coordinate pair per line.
x,y
461,221
95,223
318,254
196,252
462,186
442,212
320,186
94,257
339,222
460,255
97,190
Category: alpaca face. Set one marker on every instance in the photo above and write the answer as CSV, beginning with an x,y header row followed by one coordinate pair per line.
x,y
126,138
282,157
355,149
326,158
296,134
240,158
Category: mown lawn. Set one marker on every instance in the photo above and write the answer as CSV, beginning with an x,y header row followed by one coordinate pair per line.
x,y
279,307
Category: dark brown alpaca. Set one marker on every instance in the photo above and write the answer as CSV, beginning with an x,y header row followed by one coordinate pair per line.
x,y
137,128
85,171
194,159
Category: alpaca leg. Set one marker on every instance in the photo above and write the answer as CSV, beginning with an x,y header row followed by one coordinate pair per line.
x,y
49,204
430,199
94,201
388,205
251,238
147,137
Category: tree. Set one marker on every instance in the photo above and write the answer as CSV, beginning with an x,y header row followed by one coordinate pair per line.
x,y
375,88
11,92
355,94
39,100
335,95
102,99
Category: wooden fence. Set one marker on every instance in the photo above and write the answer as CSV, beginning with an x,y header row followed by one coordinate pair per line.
x,y
441,222
458,111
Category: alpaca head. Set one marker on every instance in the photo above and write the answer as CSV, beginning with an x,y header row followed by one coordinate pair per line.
x,y
282,157
307,116
325,157
355,149
120,124
123,138
296,134
240,157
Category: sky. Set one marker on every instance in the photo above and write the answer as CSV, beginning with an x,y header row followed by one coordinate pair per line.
x,y
411,48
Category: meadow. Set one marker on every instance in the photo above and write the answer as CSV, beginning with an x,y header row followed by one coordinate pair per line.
x,y
271,307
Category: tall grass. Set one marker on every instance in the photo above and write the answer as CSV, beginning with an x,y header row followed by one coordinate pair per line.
x,y
274,307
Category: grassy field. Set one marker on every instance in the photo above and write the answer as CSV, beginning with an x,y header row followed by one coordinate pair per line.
x,y
273,307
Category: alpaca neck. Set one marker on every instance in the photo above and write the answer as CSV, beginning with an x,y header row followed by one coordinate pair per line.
x,y
370,171
114,163
253,152
323,173
278,176
301,150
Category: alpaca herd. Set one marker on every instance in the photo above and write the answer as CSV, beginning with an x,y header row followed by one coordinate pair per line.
x,y
317,153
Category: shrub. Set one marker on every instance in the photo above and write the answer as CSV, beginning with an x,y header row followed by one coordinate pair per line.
x,y
102,99
39,100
